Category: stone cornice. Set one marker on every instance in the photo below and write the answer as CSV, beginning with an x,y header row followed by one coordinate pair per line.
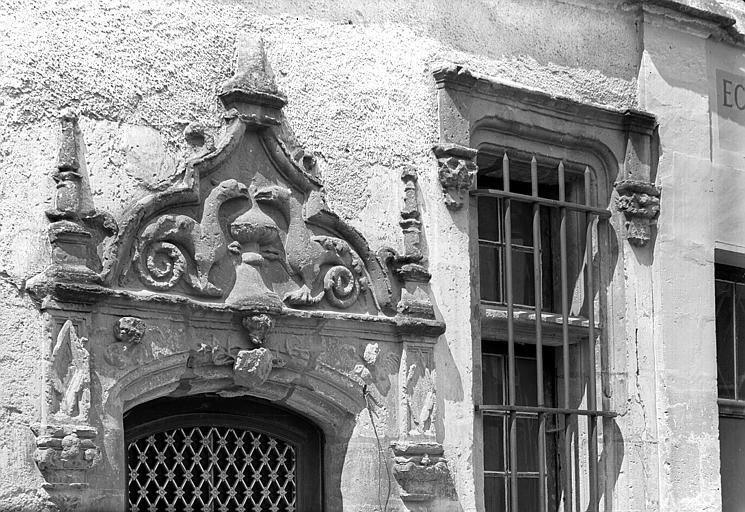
x,y
451,76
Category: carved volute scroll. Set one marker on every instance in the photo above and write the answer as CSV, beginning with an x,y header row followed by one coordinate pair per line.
x,y
252,237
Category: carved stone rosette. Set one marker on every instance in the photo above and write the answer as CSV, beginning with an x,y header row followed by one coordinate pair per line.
x,y
640,203
457,169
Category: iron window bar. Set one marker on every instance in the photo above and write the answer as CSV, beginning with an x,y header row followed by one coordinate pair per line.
x,y
511,410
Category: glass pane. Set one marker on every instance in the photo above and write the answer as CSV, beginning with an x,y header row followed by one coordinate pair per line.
x,y
494,494
488,219
522,278
489,273
526,385
740,339
493,443
725,339
527,493
527,445
732,445
522,223
492,368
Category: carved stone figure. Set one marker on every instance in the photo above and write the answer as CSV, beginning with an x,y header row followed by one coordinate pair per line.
x,y
129,329
69,376
376,371
257,326
160,254
457,171
318,261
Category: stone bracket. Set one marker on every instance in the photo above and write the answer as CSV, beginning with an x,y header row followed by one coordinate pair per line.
x,y
640,203
457,170
420,470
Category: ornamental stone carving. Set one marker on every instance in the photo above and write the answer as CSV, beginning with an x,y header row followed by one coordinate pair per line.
x,y
638,198
457,170
420,470
640,203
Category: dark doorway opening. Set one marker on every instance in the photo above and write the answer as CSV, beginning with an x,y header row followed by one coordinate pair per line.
x,y
208,453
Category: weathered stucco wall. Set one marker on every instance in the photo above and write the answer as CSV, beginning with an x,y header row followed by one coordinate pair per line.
x,y
358,77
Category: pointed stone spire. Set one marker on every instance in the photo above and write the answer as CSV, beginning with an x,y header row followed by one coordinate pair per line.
x,y
253,84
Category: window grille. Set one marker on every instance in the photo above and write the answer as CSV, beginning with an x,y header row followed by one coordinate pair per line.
x,y
211,468
526,257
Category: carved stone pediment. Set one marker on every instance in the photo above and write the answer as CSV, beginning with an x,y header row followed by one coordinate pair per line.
x,y
245,225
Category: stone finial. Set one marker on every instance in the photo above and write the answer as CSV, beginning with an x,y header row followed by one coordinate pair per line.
x,y
457,171
253,81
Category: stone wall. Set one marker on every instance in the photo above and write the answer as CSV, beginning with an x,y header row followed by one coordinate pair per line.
x,y
362,98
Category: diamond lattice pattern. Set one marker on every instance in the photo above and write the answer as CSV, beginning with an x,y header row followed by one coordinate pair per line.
x,y
215,469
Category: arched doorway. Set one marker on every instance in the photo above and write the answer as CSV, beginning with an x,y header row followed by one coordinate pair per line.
x,y
208,453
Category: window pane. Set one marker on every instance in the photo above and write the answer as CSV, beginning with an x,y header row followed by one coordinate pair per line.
x,y
493,443
732,443
740,338
522,223
527,493
492,368
522,278
725,340
527,445
494,494
488,219
489,273
526,385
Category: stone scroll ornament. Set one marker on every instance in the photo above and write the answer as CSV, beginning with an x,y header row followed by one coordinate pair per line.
x,y
254,235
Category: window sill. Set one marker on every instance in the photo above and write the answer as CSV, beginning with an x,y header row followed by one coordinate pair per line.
x,y
731,408
494,325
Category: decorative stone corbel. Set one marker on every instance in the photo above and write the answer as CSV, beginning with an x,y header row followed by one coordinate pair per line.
x,y
420,470
638,198
640,203
457,169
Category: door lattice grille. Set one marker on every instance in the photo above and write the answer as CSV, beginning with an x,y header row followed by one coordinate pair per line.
x,y
215,469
